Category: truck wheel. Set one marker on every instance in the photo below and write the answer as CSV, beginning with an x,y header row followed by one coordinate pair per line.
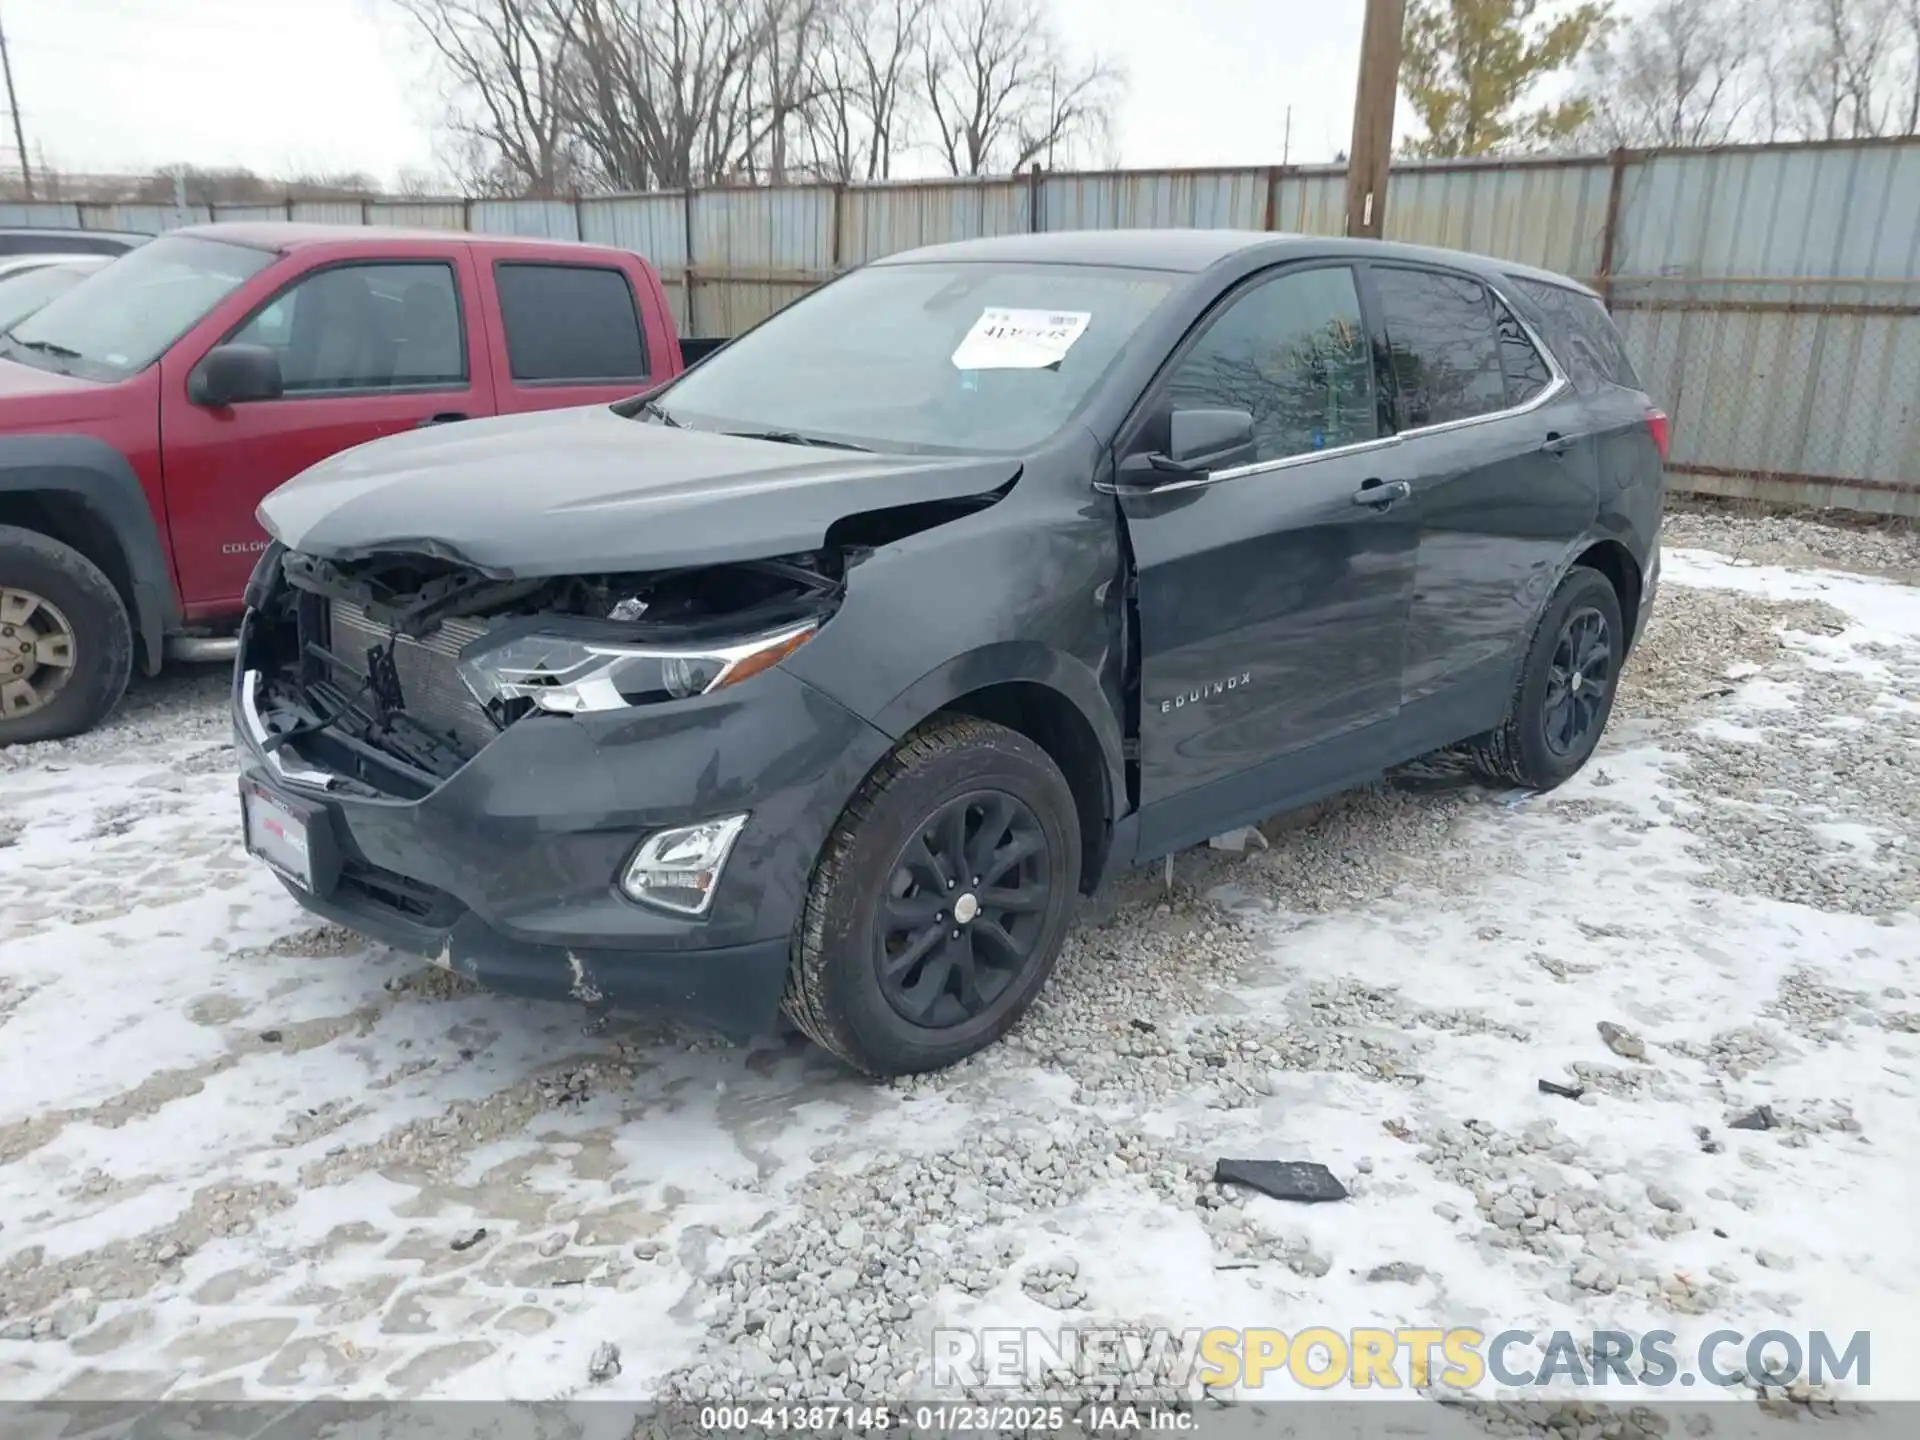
x,y
940,901
66,647
1566,688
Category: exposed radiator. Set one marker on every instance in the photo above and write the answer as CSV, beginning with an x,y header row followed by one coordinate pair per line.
x,y
430,686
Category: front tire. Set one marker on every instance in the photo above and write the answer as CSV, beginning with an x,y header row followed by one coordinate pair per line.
x,y
1560,707
66,646
940,901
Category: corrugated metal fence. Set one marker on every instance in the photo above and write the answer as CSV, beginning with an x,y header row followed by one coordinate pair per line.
x,y
1769,295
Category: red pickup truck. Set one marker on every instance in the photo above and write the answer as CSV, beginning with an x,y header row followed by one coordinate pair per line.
x,y
146,412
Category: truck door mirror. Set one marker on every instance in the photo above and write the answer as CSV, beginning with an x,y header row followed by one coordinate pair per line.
x,y
1198,443
234,374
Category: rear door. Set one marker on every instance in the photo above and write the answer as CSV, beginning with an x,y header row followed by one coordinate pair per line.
x,y
1272,597
573,328
1506,479
368,347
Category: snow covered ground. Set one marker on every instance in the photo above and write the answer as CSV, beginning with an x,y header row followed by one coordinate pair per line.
x,y
242,1154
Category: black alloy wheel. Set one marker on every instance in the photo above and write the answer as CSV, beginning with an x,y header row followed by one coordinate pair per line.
x,y
1578,681
1564,691
965,910
939,901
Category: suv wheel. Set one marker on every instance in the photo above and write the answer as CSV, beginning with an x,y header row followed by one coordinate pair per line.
x,y
66,647
1566,688
940,901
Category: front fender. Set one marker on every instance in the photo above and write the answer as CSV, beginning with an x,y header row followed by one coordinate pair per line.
x,y
93,475
1025,590
1004,663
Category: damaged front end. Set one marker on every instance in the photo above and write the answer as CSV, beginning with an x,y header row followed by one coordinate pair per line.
x,y
390,672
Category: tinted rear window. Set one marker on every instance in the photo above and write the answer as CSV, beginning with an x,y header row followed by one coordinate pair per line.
x,y
1583,333
570,323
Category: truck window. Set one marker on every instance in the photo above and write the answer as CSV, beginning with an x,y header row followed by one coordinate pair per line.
x,y
1293,353
570,324
1443,347
384,326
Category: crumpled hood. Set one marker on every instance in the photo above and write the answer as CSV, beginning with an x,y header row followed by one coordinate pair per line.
x,y
581,491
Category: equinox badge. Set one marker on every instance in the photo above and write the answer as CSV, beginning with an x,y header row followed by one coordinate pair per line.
x,y
1200,692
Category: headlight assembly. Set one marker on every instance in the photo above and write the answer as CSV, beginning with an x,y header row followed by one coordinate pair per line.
x,y
571,676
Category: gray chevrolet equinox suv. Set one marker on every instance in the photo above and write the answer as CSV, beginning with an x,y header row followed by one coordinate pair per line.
x,y
829,676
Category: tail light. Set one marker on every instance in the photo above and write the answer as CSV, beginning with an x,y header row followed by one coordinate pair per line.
x,y
1657,424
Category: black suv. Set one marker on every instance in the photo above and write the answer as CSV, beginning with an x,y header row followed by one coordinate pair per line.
x,y
828,676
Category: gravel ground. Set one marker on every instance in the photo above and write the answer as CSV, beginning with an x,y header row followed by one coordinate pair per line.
x,y
244,1154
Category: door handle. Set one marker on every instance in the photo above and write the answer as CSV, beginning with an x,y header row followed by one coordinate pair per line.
x,y
1379,494
445,417
1557,444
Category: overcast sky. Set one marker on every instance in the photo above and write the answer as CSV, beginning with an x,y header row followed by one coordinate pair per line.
x,y
280,86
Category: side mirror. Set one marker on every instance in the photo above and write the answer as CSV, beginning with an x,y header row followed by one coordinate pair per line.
x,y
1199,442
234,374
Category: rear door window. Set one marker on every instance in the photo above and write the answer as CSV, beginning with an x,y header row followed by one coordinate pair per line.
x,y
1583,335
573,324
1444,348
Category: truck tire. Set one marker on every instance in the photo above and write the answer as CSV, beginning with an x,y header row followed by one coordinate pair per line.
x,y
1565,694
66,646
940,901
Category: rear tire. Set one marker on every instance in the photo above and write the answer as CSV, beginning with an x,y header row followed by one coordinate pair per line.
x,y
66,646
1560,707
940,901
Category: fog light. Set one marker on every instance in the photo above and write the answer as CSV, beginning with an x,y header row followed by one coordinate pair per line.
x,y
679,869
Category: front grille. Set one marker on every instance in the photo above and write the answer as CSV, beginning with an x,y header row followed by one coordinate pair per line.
x,y
431,690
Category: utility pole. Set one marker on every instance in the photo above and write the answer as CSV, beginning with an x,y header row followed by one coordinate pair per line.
x,y
19,130
1373,101
1053,112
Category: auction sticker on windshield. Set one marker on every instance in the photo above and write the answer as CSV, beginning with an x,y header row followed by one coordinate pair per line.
x,y
1020,339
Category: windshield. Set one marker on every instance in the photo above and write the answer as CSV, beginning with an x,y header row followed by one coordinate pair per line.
x,y
941,357
22,294
123,317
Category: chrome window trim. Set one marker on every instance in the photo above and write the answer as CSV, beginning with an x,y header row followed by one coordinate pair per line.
x,y
1557,385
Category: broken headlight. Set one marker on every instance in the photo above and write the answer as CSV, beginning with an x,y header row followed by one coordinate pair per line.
x,y
570,676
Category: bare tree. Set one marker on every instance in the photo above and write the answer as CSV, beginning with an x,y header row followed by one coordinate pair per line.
x,y
1836,63
546,97
1001,91
417,184
1684,72
866,87
505,61
785,83
660,90
1910,19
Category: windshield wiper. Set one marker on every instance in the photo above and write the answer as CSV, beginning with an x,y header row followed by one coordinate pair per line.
x,y
45,347
794,437
659,412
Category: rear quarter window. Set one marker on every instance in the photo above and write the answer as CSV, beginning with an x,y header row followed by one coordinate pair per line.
x,y
1582,334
